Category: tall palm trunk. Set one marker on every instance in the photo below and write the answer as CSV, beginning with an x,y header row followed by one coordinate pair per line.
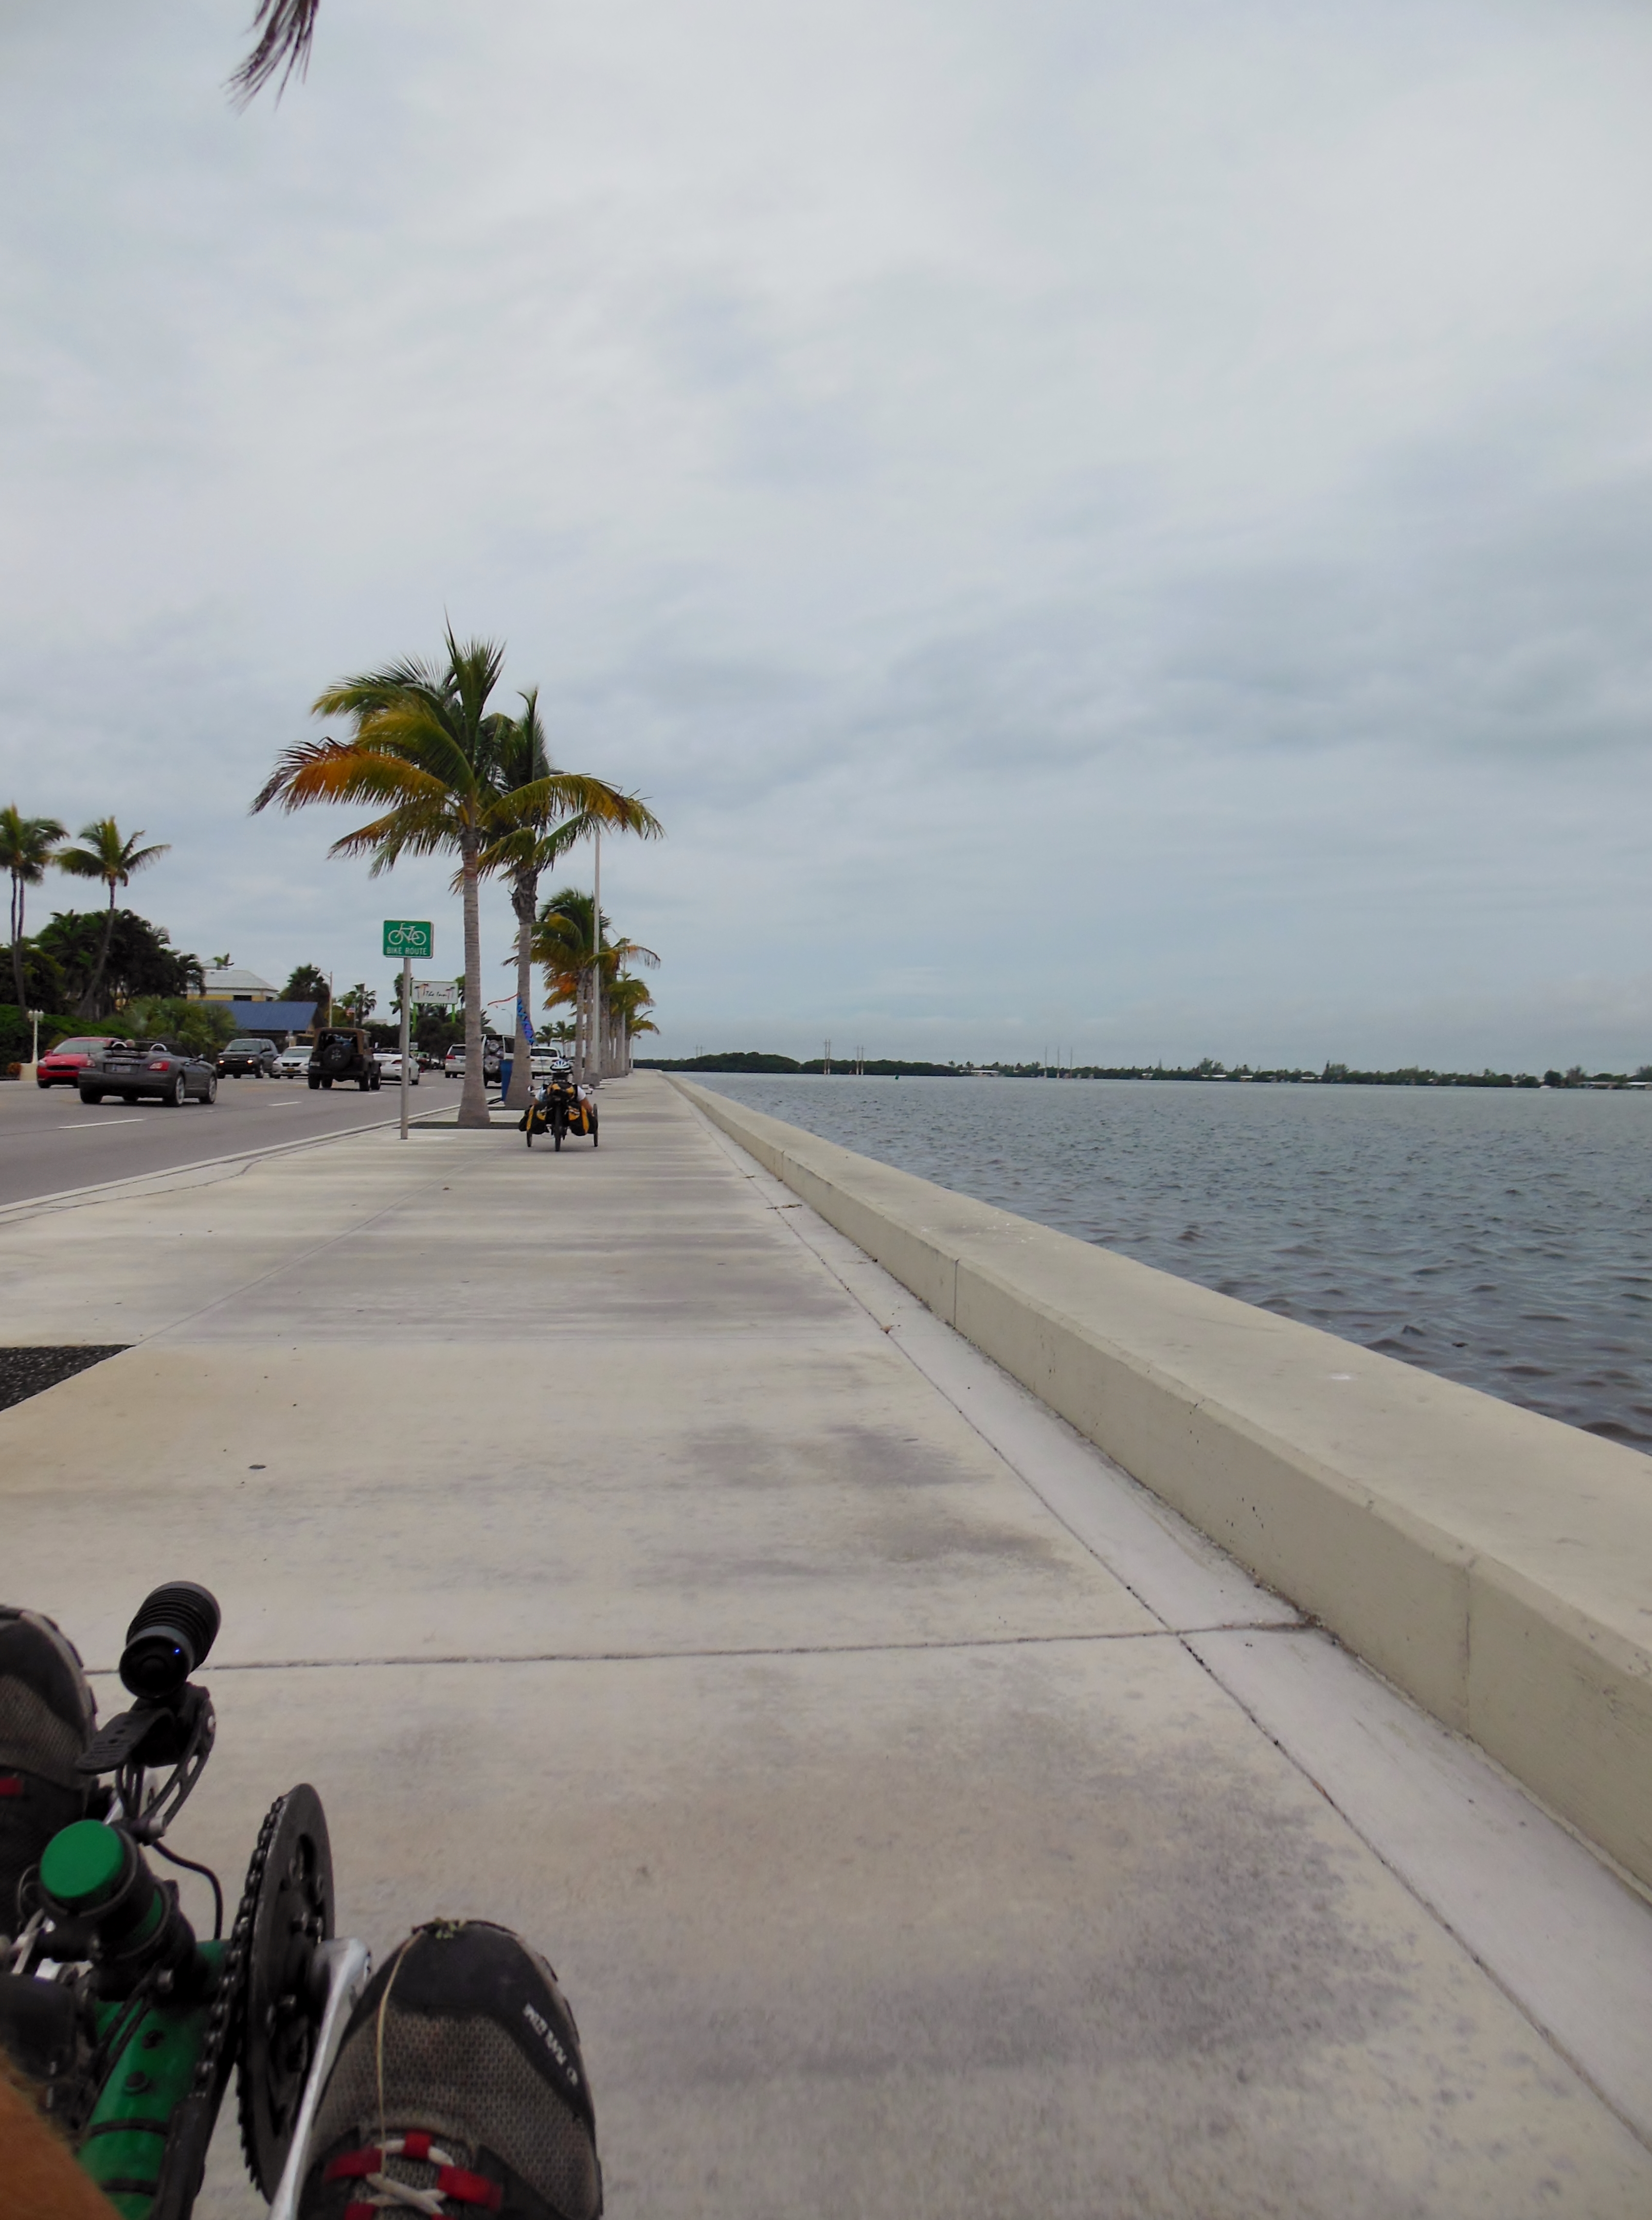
x,y
91,1000
17,937
473,1101
524,894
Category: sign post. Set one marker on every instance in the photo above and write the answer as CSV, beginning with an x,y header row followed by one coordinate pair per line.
x,y
407,937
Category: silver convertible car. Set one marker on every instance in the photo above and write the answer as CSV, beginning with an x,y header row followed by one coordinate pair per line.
x,y
132,1069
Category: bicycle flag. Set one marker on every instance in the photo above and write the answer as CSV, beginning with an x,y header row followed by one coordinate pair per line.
x,y
524,1029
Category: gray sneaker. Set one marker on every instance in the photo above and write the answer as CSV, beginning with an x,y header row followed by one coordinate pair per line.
x,y
459,2079
46,1714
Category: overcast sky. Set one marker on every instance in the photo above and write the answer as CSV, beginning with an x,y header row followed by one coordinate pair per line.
x,y
1116,527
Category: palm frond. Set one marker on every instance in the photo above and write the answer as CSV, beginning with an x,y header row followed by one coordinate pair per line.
x,y
26,843
414,830
343,770
109,854
623,952
370,691
473,671
282,31
410,729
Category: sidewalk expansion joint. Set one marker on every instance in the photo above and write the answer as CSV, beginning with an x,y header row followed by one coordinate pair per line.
x,y
960,1644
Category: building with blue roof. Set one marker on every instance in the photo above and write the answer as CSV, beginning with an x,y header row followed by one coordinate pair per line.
x,y
275,1021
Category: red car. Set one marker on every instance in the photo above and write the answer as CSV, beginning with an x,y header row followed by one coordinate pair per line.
x,y
62,1066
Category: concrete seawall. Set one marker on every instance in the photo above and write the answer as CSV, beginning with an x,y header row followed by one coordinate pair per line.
x,y
1494,1564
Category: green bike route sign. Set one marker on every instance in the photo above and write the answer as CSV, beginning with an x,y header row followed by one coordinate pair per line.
x,y
408,936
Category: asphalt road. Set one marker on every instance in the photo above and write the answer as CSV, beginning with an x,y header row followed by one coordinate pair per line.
x,y
50,1140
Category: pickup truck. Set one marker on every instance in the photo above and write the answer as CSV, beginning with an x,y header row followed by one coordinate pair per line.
x,y
343,1055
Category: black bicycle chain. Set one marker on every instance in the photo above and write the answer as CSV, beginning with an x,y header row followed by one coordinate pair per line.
x,y
196,2113
232,1973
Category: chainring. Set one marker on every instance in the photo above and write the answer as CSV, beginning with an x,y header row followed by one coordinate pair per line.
x,y
284,2000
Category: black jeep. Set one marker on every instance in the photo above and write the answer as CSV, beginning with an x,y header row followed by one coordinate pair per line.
x,y
344,1057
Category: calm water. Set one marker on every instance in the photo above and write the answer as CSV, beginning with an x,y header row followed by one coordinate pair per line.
x,y
1501,1237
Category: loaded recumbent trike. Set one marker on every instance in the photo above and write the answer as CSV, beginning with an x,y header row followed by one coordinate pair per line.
x,y
559,1108
126,2023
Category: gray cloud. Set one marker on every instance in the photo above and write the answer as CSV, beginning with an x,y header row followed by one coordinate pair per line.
x,y
1121,525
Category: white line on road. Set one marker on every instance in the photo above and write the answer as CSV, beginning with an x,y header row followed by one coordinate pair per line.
x,y
85,1124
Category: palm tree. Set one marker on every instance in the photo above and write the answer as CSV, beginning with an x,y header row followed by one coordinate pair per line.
x,y
564,941
107,857
308,984
425,747
540,814
628,1003
26,848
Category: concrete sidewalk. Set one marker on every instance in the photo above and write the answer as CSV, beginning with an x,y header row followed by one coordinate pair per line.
x,y
596,1546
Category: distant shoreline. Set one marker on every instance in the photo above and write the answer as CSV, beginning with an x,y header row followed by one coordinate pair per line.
x,y
1209,1070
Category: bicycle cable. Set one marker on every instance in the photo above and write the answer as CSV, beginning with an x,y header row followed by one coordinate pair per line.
x,y
189,1865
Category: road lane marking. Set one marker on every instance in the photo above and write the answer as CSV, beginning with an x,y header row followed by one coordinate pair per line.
x,y
85,1124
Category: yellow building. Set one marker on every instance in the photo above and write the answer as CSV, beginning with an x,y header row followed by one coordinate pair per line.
x,y
235,984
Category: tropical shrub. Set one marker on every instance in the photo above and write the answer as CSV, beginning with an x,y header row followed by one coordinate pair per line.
x,y
201,1027
17,1033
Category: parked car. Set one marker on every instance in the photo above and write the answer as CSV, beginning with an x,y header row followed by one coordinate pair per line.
x,y
248,1058
544,1065
388,1061
134,1069
293,1062
62,1066
343,1055
453,1064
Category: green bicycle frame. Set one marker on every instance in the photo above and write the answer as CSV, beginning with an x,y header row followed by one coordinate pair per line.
x,y
124,2141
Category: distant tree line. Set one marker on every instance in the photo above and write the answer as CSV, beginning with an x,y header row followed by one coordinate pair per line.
x,y
1208,1069
756,1060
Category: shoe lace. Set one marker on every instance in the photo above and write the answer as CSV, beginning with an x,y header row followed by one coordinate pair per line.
x,y
454,2185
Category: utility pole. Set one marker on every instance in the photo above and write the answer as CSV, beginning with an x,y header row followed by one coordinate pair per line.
x,y
825,1060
